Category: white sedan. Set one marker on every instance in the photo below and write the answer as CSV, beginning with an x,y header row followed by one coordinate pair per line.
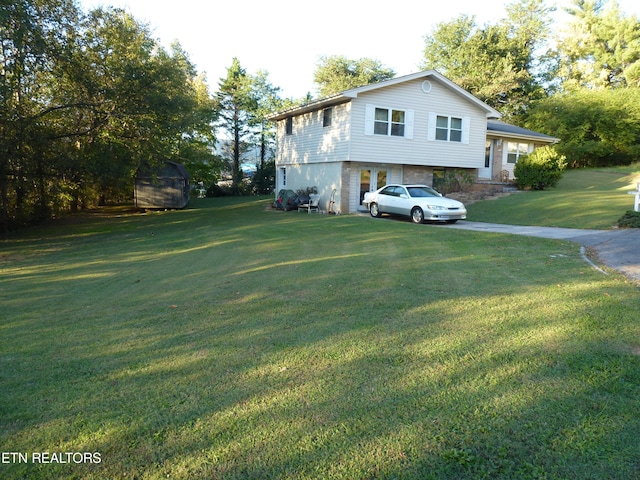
x,y
419,202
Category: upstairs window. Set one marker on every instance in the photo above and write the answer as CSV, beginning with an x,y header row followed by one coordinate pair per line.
x,y
445,128
327,117
389,122
449,129
289,126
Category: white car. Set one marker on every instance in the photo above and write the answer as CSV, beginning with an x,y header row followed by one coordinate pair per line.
x,y
418,202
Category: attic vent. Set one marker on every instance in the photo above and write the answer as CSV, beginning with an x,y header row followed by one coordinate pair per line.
x,y
426,86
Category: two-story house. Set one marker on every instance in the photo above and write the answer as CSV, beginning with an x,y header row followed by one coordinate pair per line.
x,y
404,130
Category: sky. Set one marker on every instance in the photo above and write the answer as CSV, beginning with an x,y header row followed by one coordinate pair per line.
x,y
286,38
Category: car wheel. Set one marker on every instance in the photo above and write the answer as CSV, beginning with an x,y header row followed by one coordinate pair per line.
x,y
373,210
417,215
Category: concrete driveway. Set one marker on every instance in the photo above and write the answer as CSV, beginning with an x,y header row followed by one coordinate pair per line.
x,y
618,249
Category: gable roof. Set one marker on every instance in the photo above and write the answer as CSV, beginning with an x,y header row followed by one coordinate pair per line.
x,y
352,93
505,130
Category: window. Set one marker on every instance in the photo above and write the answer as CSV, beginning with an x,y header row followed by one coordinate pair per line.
x,y
448,129
392,191
283,177
289,126
487,155
515,151
389,122
327,117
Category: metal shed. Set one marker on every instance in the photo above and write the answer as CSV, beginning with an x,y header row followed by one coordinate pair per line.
x,y
166,187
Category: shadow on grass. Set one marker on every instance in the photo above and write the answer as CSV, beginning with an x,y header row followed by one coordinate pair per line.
x,y
236,342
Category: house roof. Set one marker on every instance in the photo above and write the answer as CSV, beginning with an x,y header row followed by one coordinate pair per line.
x,y
350,94
504,130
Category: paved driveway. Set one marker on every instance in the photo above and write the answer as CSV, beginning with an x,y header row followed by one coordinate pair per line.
x,y
618,249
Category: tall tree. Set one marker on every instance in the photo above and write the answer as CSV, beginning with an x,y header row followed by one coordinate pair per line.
x,y
34,36
267,101
497,63
601,48
337,73
236,107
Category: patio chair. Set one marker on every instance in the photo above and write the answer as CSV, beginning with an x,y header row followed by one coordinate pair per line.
x,y
313,204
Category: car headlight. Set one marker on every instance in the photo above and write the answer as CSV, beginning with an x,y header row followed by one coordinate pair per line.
x,y
436,207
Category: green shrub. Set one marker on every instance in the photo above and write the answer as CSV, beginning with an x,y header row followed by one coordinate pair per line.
x,y
630,219
451,180
540,169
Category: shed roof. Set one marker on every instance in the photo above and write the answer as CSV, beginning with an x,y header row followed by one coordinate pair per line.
x,y
168,169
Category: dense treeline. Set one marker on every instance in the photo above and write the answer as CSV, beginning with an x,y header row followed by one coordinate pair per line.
x,y
85,101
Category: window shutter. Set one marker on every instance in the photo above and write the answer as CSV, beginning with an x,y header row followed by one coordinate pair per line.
x,y
466,127
369,116
408,124
431,128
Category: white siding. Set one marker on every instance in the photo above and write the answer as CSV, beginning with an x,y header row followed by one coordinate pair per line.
x,y
419,150
310,142
324,176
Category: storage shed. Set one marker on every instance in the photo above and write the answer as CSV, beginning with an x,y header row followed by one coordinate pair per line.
x,y
166,187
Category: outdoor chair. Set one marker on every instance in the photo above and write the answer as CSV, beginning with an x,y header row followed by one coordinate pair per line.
x,y
310,205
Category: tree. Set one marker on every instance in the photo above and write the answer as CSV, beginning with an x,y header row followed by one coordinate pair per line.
x,y
596,128
267,101
34,37
85,100
236,106
497,63
601,48
337,73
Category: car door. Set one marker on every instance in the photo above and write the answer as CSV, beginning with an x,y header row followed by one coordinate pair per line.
x,y
403,201
396,200
385,199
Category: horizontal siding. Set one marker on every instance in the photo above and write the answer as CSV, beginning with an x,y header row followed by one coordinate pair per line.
x,y
310,142
418,150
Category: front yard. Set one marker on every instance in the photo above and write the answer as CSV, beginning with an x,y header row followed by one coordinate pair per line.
x,y
232,341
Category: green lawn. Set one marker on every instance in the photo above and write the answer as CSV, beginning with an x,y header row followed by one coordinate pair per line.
x,y
232,341
587,198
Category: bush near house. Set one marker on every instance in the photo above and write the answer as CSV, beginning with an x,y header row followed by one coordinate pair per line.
x,y
539,170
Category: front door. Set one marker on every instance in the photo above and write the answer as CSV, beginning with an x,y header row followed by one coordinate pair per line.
x,y
371,179
488,161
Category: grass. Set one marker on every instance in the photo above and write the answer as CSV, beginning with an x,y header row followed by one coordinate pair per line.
x,y
231,341
588,198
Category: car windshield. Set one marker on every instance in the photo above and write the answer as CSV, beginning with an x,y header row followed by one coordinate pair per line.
x,y
422,191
